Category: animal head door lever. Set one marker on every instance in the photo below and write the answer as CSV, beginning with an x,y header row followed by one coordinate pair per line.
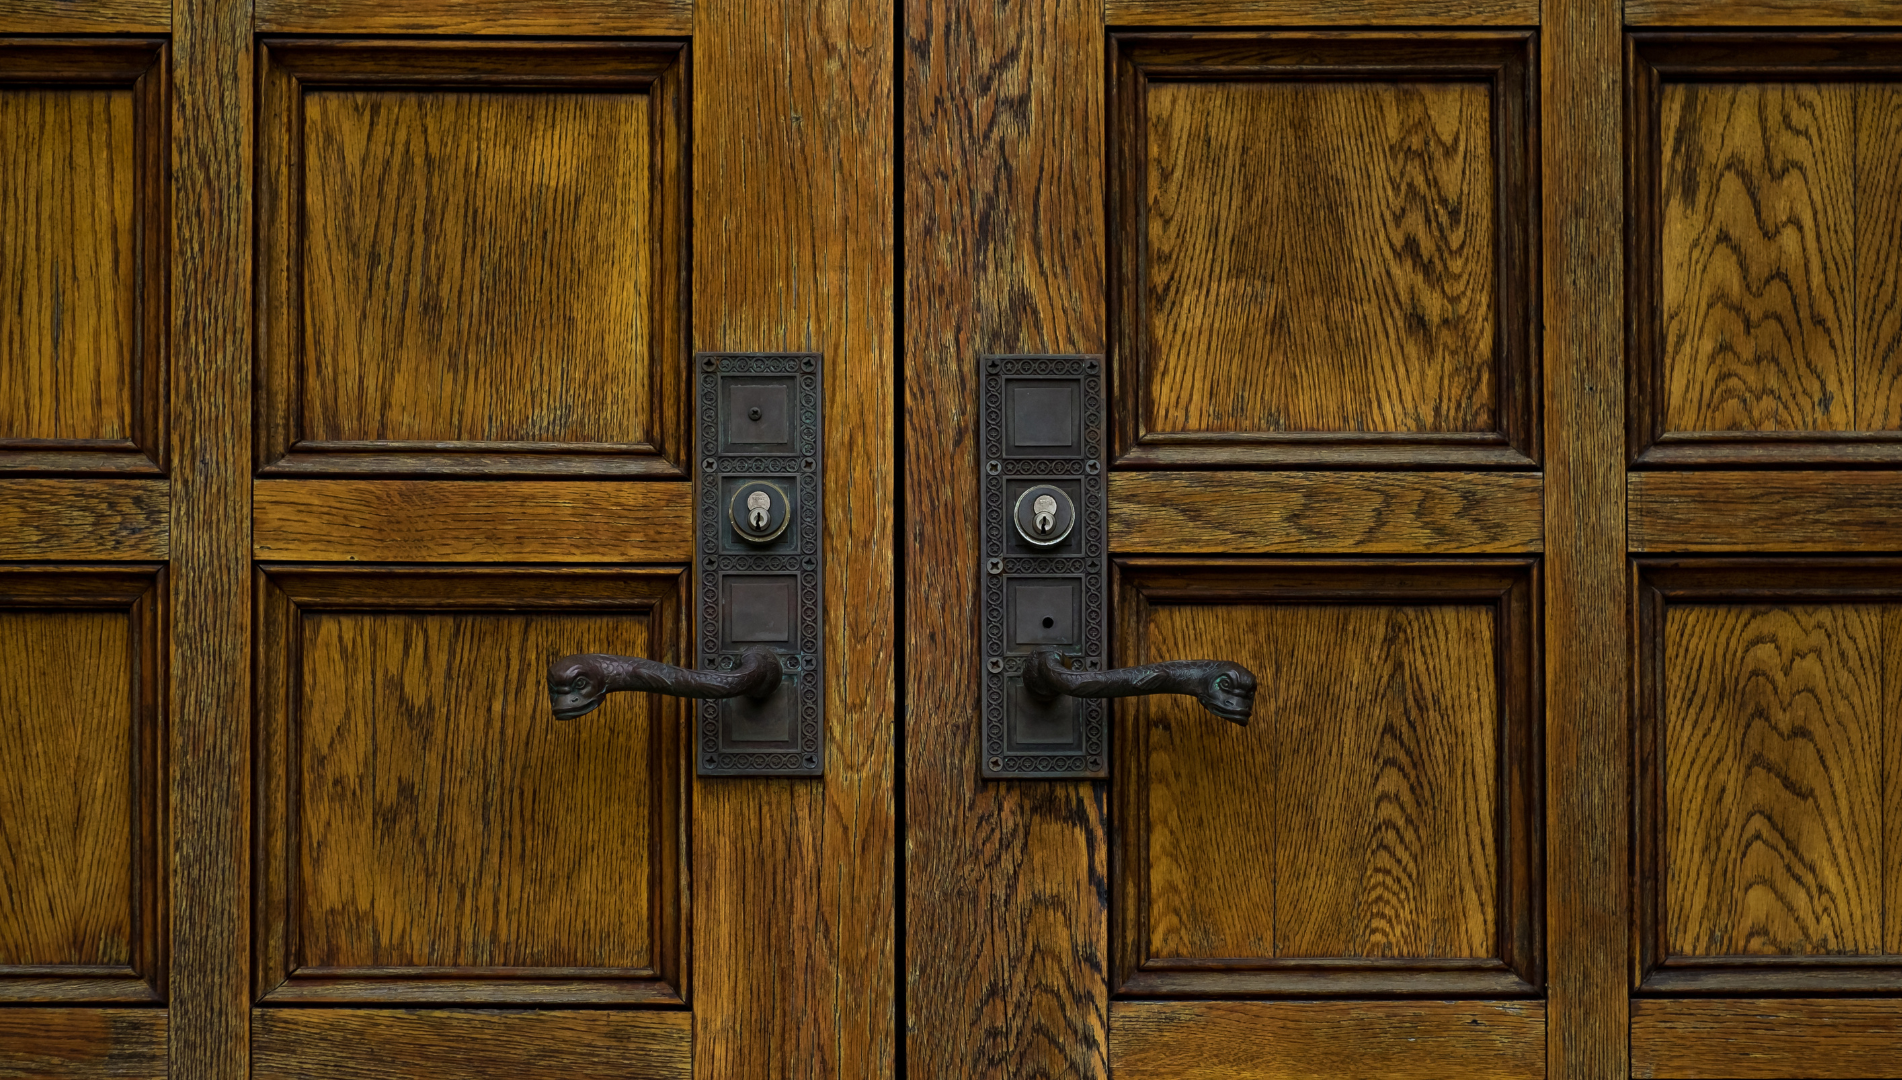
x,y
759,573
1045,603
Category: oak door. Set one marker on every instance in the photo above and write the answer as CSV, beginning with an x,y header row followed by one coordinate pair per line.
x,y
345,381
1512,387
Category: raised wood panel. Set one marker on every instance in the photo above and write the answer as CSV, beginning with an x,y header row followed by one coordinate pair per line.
x,y
83,1044
80,830
375,1044
1773,1039
1765,511
472,258
1322,1040
1322,270
1765,323
432,832
1768,731
575,18
81,210
1348,840
85,16
85,519
1246,513
1338,13
1801,13
470,521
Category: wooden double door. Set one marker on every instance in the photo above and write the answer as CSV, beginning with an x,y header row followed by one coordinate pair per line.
x,y
1514,387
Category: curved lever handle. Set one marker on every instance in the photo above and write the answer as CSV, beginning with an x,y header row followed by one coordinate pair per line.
x,y
1224,688
577,684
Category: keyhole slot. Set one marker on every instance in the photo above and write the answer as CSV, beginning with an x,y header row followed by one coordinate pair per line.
x,y
1048,622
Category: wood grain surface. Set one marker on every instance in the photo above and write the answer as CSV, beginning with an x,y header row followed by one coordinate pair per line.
x,y
1006,962
1780,278
571,18
1774,778
1587,669
1765,511
1320,257
212,85
1824,1038
382,1044
69,754
1313,512
1762,13
1336,13
82,1044
475,267
794,153
1357,816
85,519
85,16
1321,1040
69,267
470,521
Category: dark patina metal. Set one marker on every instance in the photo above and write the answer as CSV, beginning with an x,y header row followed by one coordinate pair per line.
x,y
578,684
1224,688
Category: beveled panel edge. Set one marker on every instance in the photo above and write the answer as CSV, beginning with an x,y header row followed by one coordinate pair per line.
x,y
1516,443
1688,13
1326,512
470,521
85,519
1684,511
574,18
636,1044
1300,13
1513,586
141,592
140,64
1717,1038
84,1044
281,593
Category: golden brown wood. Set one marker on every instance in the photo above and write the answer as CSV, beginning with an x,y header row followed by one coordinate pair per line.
x,y
1581,147
471,521
794,151
1005,961
1335,13
378,1044
85,519
1714,1039
1762,13
1890,707
1878,331
82,1044
210,410
1314,1040
1321,257
85,16
1765,511
571,18
1345,512
1773,779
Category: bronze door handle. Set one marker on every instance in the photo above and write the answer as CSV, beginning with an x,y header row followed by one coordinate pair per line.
x,y
1224,688
578,684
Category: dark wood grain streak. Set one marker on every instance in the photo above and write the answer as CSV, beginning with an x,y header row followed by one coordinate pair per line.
x,y
85,16
1878,328
1713,1039
1336,13
571,18
85,519
795,145
1347,512
384,1044
1313,1040
83,1044
469,521
1586,671
1006,884
1762,13
211,539
1765,511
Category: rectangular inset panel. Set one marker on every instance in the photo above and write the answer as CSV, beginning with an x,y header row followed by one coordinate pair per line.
x,y
1770,697
80,832
1320,1040
83,1044
1714,1039
1767,249
1349,839
82,265
471,258
434,833
298,1044
1333,270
